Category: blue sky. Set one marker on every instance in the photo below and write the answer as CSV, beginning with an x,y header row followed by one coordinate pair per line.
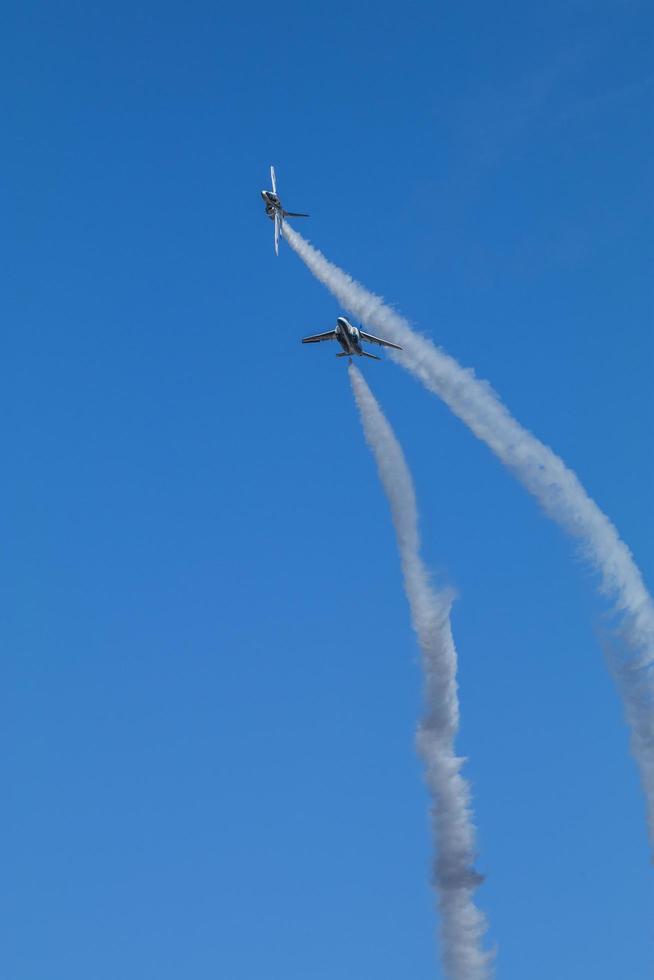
x,y
210,686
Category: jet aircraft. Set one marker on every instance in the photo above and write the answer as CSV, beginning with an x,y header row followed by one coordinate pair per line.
x,y
350,338
275,211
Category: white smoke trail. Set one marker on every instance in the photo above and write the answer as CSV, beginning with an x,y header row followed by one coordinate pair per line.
x,y
545,475
462,924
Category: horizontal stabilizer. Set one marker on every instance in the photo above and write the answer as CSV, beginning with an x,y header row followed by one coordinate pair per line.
x,y
374,356
295,214
343,354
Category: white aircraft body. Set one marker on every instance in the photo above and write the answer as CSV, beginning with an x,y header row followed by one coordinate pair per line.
x,y
275,211
350,338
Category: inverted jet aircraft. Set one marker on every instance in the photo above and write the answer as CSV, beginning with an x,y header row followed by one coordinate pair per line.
x,y
275,211
350,338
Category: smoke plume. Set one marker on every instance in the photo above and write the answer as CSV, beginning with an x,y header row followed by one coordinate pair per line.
x,y
455,879
546,477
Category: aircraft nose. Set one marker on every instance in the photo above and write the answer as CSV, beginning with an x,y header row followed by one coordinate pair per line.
x,y
263,194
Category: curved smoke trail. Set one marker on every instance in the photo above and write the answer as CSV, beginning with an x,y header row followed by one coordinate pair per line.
x,y
545,476
462,924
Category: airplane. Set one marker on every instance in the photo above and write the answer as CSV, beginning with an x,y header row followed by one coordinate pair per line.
x,y
350,338
275,211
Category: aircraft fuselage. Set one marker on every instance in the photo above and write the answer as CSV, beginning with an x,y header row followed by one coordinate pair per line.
x,y
272,203
348,337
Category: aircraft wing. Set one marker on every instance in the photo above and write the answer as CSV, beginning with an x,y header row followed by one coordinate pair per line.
x,y
330,335
277,228
377,340
272,178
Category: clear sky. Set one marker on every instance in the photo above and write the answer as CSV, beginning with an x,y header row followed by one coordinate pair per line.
x,y
209,683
